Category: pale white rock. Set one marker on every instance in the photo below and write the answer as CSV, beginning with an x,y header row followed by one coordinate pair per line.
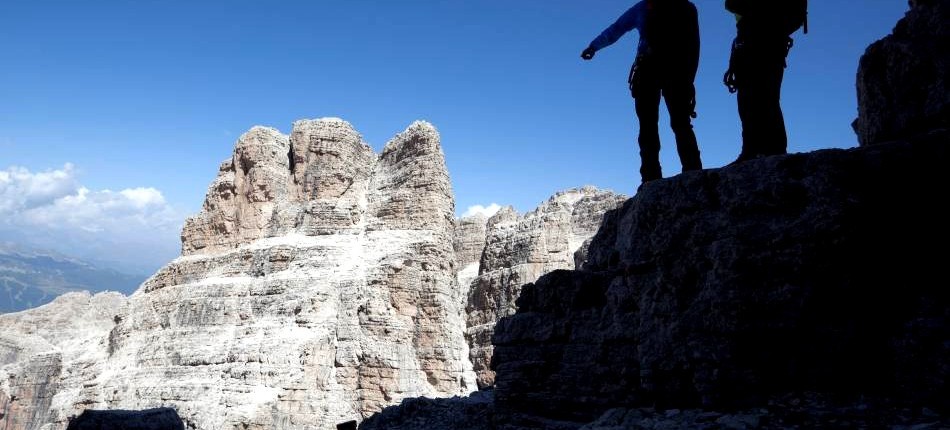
x,y
519,250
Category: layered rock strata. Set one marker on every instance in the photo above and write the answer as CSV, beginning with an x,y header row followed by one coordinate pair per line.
x,y
721,288
317,286
904,79
519,249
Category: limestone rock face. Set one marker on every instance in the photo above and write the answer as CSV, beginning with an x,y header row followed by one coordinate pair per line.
x,y
314,182
317,286
518,250
807,272
904,79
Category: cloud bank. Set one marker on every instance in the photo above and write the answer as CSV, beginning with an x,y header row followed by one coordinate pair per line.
x,y
51,209
486,211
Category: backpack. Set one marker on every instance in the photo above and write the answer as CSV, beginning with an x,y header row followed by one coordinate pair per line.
x,y
791,15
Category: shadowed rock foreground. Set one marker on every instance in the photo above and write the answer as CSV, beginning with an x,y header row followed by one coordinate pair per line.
x,y
152,419
720,289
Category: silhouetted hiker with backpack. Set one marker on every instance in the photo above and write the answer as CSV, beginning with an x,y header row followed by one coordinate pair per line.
x,y
757,67
666,63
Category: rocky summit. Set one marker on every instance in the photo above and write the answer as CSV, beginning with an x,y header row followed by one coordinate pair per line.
x,y
320,283
317,286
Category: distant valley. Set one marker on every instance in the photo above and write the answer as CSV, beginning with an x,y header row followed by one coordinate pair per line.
x,y
30,277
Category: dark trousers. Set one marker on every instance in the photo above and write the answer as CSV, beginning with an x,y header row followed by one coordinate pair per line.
x,y
679,98
759,75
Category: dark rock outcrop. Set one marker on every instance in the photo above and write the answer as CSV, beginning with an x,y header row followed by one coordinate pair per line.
x,y
904,79
806,411
475,412
151,419
808,272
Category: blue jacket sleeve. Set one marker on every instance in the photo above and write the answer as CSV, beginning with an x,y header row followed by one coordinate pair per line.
x,y
631,19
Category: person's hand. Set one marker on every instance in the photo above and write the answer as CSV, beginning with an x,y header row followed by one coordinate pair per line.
x,y
588,53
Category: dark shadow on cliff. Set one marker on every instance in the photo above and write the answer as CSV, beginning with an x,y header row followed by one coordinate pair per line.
x,y
150,419
475,412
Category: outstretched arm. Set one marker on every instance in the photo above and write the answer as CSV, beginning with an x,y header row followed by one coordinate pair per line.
x,y
632,18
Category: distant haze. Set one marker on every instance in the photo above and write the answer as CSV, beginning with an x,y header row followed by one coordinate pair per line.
x,y
31,278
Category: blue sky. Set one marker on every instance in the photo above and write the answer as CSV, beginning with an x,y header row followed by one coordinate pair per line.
x,y
148,95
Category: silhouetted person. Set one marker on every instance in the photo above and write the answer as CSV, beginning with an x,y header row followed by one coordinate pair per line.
x,y
757,68
666,64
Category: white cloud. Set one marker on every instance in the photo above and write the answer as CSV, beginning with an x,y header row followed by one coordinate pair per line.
x,y
53,207
486,211
20,188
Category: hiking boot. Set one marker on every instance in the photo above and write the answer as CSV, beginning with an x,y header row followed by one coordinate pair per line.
x,y
745,157
645,181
